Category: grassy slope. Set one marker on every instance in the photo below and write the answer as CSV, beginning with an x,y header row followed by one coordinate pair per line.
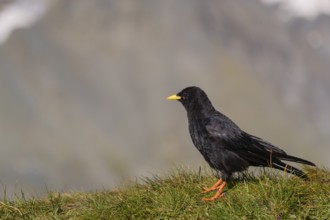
x,y
178,197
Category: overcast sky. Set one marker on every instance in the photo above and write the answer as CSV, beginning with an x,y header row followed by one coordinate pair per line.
x,y
23,13
305,8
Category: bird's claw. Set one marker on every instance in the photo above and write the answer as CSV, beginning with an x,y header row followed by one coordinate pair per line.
x,y
220,185
213,198
214,187
206,189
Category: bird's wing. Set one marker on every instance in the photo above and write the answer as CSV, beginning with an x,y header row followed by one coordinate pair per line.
x,y
230,136
265,144
220,127
253,149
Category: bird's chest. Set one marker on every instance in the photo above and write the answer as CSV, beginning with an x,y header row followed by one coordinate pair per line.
x,y
210,149
199,137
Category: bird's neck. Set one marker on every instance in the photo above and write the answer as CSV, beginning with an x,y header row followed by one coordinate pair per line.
x,y
200,110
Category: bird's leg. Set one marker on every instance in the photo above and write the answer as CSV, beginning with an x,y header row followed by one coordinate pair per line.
x,y
214,187
218,194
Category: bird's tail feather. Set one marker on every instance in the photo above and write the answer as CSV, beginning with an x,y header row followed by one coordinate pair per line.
x,y
290,169
295,159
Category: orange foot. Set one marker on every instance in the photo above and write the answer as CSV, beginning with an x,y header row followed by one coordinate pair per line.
x,y
214,187
219,193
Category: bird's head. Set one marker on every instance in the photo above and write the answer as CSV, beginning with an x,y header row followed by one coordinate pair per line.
x,y
193,99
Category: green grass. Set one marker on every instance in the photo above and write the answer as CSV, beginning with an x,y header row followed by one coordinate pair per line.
x,y
178,196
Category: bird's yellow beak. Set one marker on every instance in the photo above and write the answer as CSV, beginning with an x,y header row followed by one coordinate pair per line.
x,y
173,97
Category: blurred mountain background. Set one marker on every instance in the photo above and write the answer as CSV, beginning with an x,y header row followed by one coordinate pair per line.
x,y
83,89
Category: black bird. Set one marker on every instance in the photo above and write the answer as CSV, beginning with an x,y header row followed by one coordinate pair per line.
x,y
224,145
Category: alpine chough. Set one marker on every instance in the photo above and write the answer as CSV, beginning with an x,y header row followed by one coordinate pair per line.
x,y
224,145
